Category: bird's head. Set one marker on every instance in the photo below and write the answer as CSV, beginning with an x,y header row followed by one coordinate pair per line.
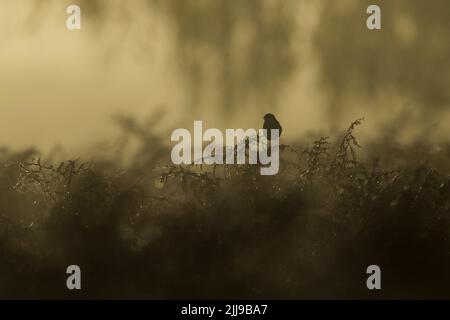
x,y
269,116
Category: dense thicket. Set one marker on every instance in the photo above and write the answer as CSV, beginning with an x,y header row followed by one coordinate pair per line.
x,y
149,231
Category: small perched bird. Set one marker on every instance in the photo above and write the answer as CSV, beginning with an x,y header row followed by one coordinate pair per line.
x,y
270,122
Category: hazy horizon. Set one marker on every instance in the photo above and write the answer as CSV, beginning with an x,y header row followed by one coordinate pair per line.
x,y
226,63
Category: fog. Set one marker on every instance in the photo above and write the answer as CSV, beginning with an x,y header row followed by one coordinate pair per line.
x,y
99,105
312,63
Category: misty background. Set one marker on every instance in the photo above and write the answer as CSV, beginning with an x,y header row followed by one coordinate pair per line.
x,y
313,63
98,106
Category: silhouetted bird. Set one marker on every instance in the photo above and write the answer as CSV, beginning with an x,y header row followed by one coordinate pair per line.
x,y
270,122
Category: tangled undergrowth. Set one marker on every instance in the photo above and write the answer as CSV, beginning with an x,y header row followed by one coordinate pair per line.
x,y
152,231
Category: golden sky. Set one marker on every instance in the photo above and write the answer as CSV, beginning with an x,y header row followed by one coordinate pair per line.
x,y
312,63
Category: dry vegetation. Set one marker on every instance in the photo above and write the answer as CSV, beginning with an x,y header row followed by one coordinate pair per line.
x,y
150,231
